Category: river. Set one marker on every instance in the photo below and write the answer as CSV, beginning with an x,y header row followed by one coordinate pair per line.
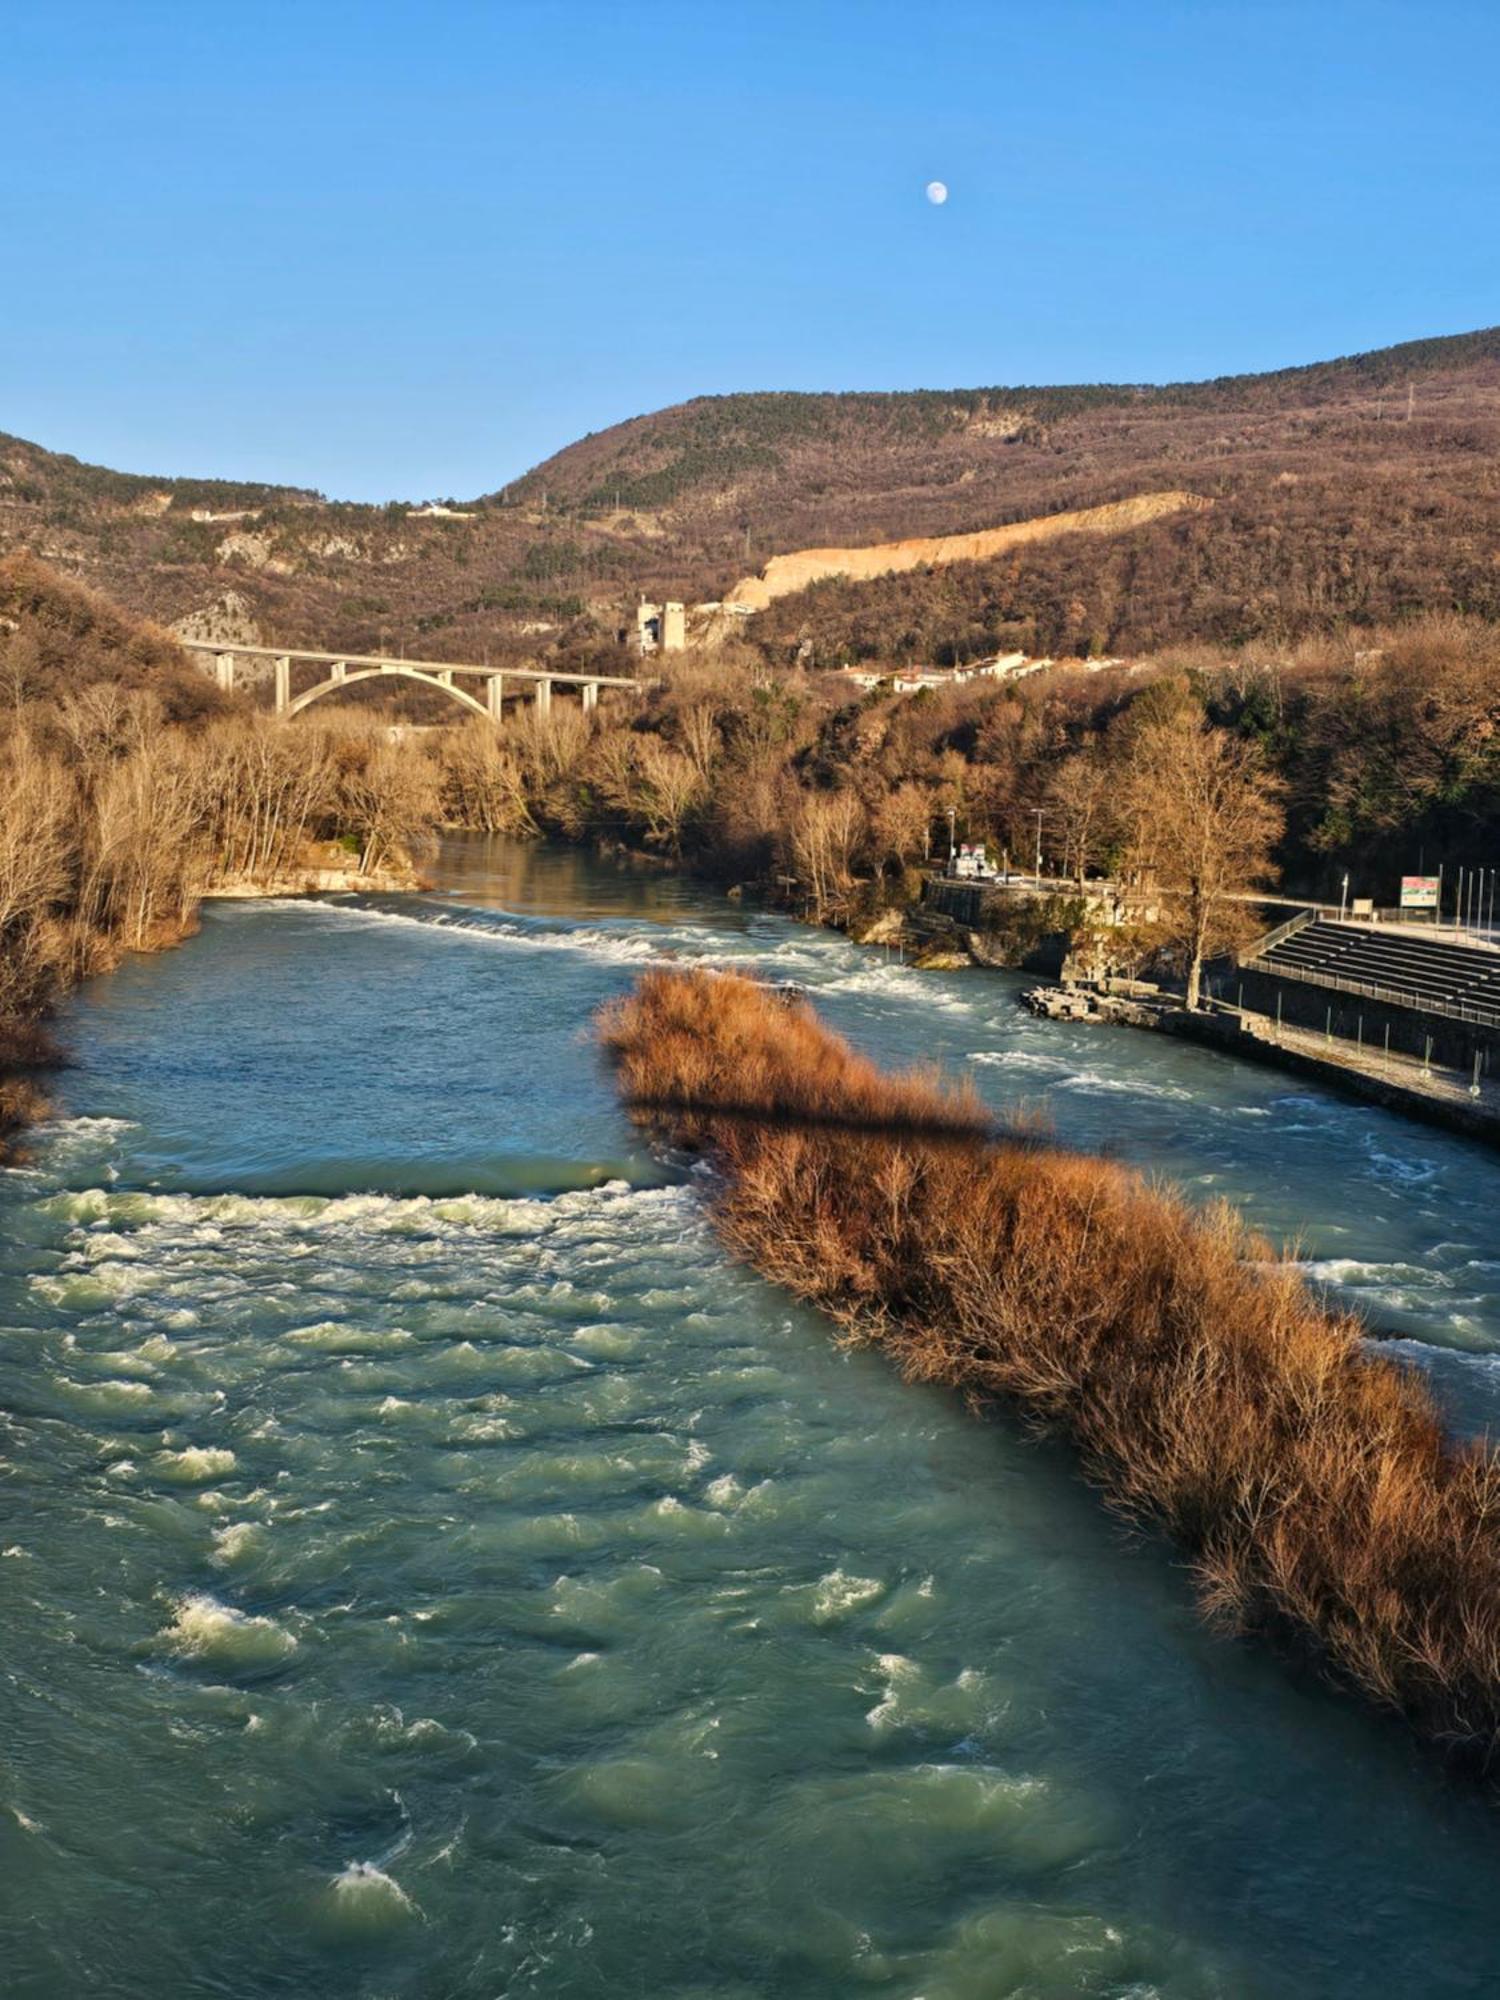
x,y
432,1568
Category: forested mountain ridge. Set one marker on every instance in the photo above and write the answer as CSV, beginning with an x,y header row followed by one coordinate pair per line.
x,y
1352,490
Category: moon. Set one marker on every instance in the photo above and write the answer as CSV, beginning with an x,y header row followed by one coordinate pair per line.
x,y
937,193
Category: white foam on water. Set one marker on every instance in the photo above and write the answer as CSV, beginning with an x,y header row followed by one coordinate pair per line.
x,y
672,1515
68,1141
604,1343
202,1628
233,1540
611,947
1091,1083
1429,1354
896,1669
89,1125
838,1594
913,1699
1406,1170
329,1337
194,1464
904,983
103,1398
365,1898
1019,1059
1397,1287
122,1361
74,1291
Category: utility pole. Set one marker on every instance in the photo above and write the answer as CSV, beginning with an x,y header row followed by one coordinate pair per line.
x,y
952,836
1344,896
1038,811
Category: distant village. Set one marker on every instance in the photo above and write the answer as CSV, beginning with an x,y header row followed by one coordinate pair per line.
x,y
671,626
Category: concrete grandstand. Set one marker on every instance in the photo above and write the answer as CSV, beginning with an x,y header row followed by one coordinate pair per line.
x,y
1425,995
1401,966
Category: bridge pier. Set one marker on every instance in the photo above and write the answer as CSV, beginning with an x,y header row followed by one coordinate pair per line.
x,y
224,661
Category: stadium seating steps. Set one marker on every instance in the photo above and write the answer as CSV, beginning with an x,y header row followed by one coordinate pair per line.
x,y
1425,972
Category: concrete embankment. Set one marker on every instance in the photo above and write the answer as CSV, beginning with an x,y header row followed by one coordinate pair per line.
x,y
1086,939
1437,1098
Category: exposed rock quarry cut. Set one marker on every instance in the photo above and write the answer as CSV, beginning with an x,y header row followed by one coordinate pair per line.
x,y
784,574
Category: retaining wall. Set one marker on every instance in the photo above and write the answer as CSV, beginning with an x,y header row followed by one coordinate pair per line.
x,y
1352,1017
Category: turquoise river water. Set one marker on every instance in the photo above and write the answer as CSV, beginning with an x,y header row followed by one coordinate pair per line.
x,y
431,1567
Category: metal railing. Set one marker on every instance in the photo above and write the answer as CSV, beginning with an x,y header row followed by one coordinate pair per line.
x,y
1282,932
1452,1010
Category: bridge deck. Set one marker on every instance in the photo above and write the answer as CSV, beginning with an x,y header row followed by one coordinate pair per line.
x,y
390,662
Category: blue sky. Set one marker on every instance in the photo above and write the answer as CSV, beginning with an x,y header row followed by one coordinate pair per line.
x,y
397,249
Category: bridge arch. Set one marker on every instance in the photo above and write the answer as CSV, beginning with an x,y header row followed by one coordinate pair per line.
x,y
386,672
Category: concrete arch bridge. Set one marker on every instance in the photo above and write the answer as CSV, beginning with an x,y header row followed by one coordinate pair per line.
x,y
488,689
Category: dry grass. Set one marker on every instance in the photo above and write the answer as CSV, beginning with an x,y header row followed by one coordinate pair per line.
x,y
1206,1388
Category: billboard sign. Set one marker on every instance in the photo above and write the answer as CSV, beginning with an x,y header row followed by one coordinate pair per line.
x,y
1420,892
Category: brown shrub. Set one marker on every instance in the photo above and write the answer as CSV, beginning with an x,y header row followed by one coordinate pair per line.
x,y
1207,1390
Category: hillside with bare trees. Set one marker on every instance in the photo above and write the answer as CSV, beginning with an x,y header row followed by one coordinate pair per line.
x,y
1347,492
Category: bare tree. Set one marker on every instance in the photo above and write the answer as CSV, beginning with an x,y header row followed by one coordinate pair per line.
x,y
387,795
1201,817
484,783
901,823
1081,795
826,832
698,732
670,787
36,849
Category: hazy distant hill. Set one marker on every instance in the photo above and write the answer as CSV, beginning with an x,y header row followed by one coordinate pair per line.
x,y
1353,488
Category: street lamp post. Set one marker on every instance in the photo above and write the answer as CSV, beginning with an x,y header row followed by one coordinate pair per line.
x,y
1344,895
